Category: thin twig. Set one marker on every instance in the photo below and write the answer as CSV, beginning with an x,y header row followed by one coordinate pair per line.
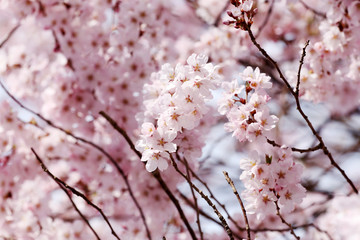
x,y
64,186
283,219
255,230
231,183
112,160
163,185
212,147
298,107
306,225
195,200
266,55
9,35
207,199
121,131
310,149
212,195
266,20
322,231
207,216
323,15
156,173
204,214
300,66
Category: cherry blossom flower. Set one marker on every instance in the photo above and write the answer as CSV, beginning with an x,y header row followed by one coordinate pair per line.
x,y
155,159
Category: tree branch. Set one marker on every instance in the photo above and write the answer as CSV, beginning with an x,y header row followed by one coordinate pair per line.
x,y
255,230
298,107
283,219
310,149
300,66
156,174
207,199
9,35
231,183
212,195
100,149
64,186
195,200
121,131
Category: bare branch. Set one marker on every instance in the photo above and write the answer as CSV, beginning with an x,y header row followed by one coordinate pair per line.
x,y
64,186
207,216
300,66
195,200
207,199
121,131
9,35
156,174
212,195
231,183
310,149
255,230
283,219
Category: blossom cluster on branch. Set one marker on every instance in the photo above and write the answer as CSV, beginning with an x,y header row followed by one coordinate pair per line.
x,y
175,101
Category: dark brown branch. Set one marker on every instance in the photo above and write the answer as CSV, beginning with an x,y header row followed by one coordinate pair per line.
x,y
163,185
266,55
212,195
300,66
195,200
156,174
231,183
255,230
306,225
64,187
207,216
206,198
283,219
9,35
204,214
298,107
100,149
121,131
310,149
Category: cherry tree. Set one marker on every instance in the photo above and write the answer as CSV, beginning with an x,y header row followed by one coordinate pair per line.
x,y
186,119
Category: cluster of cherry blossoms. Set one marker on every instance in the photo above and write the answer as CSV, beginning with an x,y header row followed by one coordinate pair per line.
x,y
176,101
245,107
266,178
270,178
328,76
